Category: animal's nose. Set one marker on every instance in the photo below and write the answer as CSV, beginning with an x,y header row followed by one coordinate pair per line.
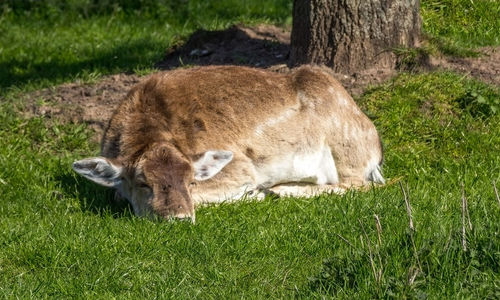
x,y
185,217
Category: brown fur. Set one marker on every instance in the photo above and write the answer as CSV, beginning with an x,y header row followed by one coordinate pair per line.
x,y
168,121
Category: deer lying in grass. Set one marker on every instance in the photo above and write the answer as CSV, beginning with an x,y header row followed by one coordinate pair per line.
x,y
218,133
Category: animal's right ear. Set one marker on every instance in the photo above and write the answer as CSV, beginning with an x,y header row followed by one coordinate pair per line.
x,y
100,170
211,163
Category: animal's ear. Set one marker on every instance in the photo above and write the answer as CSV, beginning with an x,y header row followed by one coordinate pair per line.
x,y
210,163
100,170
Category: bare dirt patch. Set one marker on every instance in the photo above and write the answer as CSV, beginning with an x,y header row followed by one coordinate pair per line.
x,y
82,103
263,46
486,67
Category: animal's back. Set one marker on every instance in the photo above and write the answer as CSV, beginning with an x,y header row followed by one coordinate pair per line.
x,y
211,106
217,133
301,126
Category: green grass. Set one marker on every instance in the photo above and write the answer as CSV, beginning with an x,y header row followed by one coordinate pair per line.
x,y
466,23
48,42
61,236
456,27
51,44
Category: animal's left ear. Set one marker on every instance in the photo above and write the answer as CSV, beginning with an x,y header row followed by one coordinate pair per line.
x,y
100,170
211,163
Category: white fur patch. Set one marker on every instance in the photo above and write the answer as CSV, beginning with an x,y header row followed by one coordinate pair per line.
x,y
376,176
336,122
347,130
342,99
373,172
315,167
272,122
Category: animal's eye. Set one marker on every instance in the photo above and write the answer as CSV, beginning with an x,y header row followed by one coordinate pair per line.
x,y
192,183
142,185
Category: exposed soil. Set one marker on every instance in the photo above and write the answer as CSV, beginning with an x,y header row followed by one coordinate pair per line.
x,y
264,46
486,67
82,103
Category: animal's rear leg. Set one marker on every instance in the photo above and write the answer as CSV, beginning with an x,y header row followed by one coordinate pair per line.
x,y
356,171
350,182
303,190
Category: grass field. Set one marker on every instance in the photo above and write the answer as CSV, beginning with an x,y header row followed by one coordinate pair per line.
x,y
60,236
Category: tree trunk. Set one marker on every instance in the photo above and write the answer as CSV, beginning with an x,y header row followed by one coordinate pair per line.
x,y
352,35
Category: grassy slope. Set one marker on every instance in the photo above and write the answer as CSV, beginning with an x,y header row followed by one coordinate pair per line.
x,y
39,48
59,236
463,23
43,47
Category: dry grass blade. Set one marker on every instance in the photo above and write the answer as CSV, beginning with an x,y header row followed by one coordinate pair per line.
x,y
345,240
376,274
412,274
379,229
466,205
464,239
379,235
408,206
412,228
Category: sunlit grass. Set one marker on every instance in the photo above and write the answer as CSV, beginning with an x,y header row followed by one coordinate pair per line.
x,y
462,24
43,47
61,236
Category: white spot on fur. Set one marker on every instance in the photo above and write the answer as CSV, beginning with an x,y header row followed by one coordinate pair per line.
x,y
346,129
272,122
336,122
342,100
305,102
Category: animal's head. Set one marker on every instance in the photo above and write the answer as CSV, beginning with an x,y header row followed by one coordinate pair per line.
x,y
159,182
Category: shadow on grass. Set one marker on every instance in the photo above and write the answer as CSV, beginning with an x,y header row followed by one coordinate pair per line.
x,y
258,47
261,46
92,197
122,58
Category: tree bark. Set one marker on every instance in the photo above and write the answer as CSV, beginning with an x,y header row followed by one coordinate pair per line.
x,y
352,35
